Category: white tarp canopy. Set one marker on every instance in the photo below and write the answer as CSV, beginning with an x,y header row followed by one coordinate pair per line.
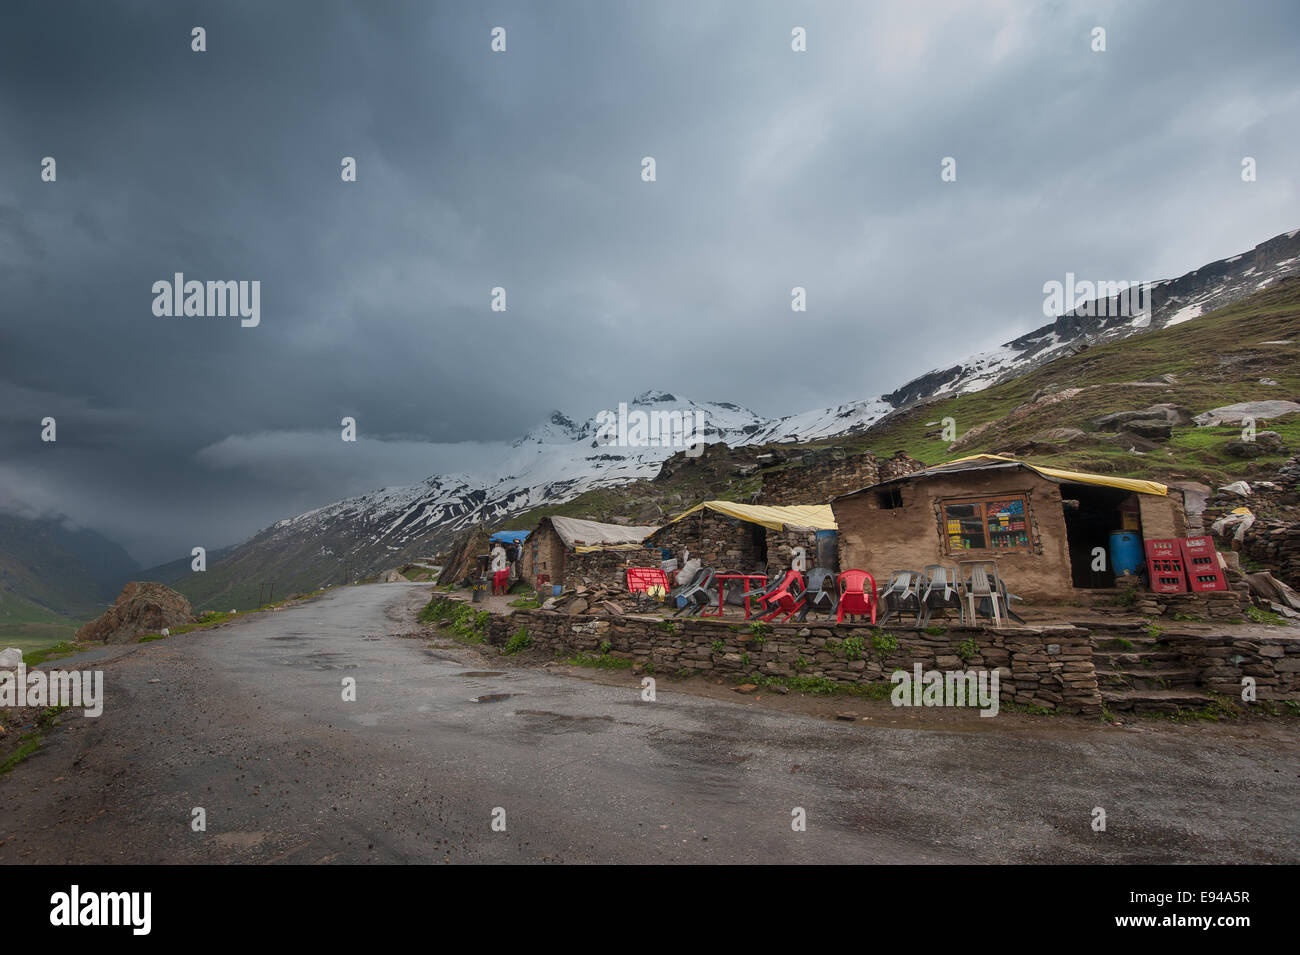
x,y
575,532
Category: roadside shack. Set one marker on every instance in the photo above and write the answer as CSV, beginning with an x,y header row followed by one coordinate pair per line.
x,y
1042,525
749,538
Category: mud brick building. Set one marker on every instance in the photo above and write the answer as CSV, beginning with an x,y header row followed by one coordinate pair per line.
x,y
1041,525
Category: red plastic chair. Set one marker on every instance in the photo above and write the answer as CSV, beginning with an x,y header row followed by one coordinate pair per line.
x,y
787,598
856,600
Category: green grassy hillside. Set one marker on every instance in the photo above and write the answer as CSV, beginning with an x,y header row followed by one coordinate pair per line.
x,y
1214,360
29,626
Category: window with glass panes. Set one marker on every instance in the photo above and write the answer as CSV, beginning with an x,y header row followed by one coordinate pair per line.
x,y
987,523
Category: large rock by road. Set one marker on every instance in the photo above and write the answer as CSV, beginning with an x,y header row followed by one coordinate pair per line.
x,y
142,607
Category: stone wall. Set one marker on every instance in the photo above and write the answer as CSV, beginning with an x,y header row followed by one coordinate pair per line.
x,y
1213,605
1274,545
821,475
718,541
606,569
725,543
1222,661
781,545
1049,667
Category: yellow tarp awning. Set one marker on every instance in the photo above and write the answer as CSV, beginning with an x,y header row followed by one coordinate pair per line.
x,y
817,516
1074,477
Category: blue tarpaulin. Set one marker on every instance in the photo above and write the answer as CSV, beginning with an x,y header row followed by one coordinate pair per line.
x,y
507,537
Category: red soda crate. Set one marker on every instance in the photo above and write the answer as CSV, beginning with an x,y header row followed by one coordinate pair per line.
x,y
1201,562
1165,566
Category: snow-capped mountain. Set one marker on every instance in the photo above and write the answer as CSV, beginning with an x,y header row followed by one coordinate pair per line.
x,y
558,460
1172,302
562,458
554,462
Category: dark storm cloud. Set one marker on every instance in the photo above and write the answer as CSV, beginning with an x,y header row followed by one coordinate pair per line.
x,y
521,170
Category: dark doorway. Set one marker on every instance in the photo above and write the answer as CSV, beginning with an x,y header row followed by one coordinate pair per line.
x,y
1092,512
758,545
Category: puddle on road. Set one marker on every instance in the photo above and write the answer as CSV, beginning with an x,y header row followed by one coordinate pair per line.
x,y
549,722
319,661
482,673
491,697
566,717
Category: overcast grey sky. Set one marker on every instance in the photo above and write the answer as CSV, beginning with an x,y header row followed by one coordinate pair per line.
x,y
522,169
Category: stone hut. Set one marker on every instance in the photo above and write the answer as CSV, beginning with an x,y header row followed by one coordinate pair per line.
x,y
568,550
745,538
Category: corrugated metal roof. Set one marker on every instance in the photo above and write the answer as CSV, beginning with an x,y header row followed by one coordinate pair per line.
x,y
817,516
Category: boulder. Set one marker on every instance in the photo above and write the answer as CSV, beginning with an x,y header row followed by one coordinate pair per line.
x,y
1244,449
1154,429
1045,442
1060,435
1233,414
1270,441
392,577
10,658
1169,414
141,608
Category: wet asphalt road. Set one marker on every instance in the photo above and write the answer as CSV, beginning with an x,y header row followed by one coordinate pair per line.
x,y
248,722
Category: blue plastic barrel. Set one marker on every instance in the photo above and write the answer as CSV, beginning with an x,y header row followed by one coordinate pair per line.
x,y
1125,552
557,589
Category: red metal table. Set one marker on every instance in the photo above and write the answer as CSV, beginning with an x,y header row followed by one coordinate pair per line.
x,y
722,591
